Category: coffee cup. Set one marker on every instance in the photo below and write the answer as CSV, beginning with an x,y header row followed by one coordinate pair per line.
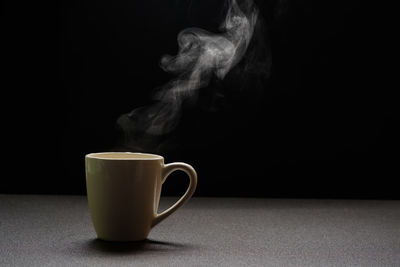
x,y
124,189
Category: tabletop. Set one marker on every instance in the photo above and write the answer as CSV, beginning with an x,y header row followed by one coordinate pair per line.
x,y
51,230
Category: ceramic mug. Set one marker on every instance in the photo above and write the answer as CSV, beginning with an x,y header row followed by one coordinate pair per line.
x,y
124,190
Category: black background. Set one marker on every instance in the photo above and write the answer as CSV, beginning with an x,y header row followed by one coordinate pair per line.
x,y
320,122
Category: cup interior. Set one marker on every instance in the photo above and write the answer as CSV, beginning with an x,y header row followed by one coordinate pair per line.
x,y
124,156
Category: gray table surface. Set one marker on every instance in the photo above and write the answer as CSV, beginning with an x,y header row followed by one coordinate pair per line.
x,y
57,231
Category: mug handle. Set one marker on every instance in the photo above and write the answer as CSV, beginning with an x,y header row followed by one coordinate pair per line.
x,y
166,171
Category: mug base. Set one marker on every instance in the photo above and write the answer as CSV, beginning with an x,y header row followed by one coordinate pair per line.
x,y
121,240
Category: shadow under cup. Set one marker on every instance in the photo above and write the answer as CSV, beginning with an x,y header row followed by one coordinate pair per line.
x,y
124,190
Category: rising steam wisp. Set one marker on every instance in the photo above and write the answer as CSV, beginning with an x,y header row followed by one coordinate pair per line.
x,y
201,56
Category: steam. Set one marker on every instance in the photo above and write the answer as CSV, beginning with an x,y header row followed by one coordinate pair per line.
x,y
201,56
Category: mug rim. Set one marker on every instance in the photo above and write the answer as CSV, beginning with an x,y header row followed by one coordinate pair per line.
x,y
142,156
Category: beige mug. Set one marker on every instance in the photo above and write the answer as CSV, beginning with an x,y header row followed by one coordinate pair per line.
x,y
123,191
